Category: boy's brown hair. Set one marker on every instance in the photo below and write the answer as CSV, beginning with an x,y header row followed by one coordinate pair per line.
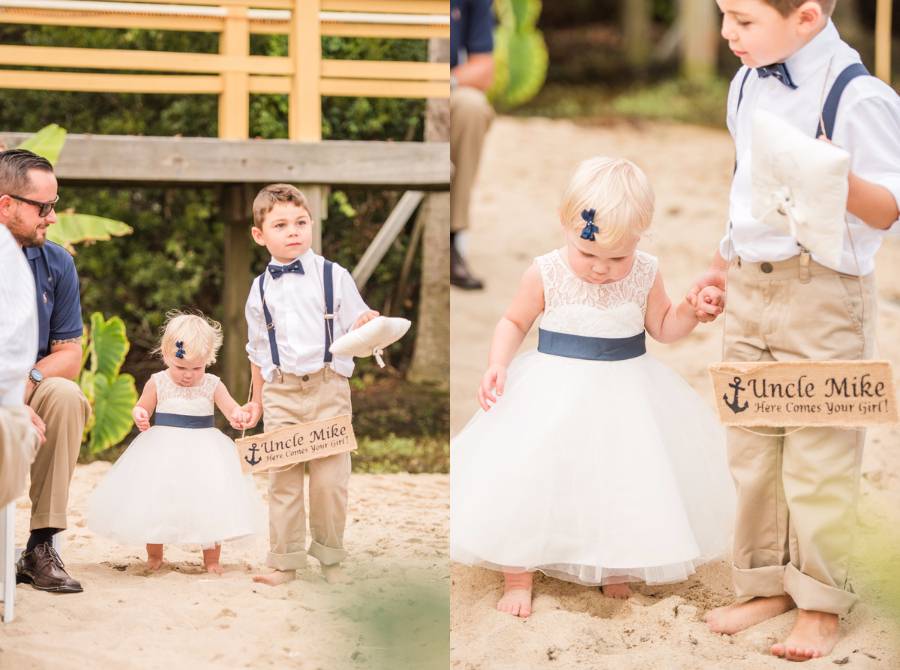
x,y
273,194
785,7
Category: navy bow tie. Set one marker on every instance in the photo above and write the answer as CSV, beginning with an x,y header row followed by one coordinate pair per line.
x,y
277,270
777,70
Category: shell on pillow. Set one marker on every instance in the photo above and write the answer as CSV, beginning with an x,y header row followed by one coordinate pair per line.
x,y
799,185
371,338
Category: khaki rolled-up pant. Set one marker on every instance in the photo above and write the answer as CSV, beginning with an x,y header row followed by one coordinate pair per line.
x,y
299,399
18,445
65,411
470,117
797,493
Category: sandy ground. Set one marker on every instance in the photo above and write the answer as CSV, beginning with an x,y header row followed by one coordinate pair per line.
x,y
524,169
393,615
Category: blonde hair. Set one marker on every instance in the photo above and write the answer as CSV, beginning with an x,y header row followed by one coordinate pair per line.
x,y
273,194
200,337
619,193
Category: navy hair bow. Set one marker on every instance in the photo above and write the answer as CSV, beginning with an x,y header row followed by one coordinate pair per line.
x,y
587,233
180,349
777,70
277,270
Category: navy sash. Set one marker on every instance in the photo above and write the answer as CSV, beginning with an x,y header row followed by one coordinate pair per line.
x,y
328,287
183,420
591,348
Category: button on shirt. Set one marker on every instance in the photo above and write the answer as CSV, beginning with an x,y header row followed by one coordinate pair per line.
x,y
867,125
18,327
57,295
297,305
471,29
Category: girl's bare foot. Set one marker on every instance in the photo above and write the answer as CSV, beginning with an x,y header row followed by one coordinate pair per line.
x,y
275,578
211,560
734,618
814,635
154,557
334,574
516,599
620,591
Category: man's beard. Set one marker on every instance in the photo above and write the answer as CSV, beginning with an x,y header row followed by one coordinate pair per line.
x,y
33,238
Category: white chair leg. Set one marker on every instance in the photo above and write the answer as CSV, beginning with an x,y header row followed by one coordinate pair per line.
x,y
8,559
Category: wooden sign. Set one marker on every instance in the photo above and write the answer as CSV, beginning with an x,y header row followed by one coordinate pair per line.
x,y
296,444
804,393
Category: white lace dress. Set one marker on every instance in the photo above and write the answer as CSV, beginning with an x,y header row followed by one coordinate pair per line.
x,y
592,471
177,485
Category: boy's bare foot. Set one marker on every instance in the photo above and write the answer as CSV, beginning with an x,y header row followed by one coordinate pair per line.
x,y
618,591
275,578
734,618
814,635
516,599
211,560
154,557
334,574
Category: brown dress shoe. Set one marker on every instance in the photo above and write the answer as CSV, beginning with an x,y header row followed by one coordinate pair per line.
x,y
44,570
460,276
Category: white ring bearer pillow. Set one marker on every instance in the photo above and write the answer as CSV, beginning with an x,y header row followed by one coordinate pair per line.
x,y
371,338
800,185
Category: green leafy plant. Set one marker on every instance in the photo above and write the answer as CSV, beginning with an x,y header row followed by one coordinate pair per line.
x,y
520,53
71,228
111,394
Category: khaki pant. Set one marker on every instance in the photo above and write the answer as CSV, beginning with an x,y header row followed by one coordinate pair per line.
x,y
65,411
470,118
18,445
796,494
299,399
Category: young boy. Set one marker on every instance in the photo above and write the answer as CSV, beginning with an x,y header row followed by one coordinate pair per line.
x,y
797,491
309,302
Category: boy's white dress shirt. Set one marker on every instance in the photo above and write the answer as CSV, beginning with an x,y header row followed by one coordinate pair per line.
x,y
867,125
18,325
297,305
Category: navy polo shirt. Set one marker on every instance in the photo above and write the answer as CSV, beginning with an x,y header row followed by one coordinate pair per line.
x,y
58,296
471,28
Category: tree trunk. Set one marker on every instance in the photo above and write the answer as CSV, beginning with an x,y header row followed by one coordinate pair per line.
x,y
431,358
636,24
700,35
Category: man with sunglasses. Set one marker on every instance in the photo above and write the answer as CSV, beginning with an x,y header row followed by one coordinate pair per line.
x,y
58,408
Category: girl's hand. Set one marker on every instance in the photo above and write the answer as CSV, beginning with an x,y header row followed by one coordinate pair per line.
x,y
239,418
714,278
253,412
710,302
365,318
141,418
492,384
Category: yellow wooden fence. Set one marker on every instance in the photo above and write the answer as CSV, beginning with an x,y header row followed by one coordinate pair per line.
x,y
234,74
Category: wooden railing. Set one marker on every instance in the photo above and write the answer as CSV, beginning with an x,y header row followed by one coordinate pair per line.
x,y
233,74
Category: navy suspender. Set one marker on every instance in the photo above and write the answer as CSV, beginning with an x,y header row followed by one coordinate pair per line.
x,y
829,111
328,282
329,310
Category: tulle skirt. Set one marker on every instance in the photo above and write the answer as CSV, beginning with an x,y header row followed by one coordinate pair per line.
x,y
595,472
177,486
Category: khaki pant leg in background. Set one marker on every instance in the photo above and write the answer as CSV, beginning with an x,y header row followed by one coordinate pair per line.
x,y
65,411
829,317
18,446
470,117
761,517
299,399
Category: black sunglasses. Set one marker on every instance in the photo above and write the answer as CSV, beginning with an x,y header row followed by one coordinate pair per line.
x,y
44,208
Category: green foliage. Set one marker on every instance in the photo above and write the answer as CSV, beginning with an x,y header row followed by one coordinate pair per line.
x,y
47,142
112,395
677,100
520,54
402,454
71,229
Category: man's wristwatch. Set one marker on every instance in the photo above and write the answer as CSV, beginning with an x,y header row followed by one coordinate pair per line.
x,y
36,376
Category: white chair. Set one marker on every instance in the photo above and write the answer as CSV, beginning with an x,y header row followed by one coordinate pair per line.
x,y
8,559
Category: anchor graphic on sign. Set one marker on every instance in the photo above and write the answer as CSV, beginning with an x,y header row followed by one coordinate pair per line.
x,y
733,404
253,460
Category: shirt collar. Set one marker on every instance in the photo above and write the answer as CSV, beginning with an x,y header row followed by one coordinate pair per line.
x,y
305,259
813,55
32,252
